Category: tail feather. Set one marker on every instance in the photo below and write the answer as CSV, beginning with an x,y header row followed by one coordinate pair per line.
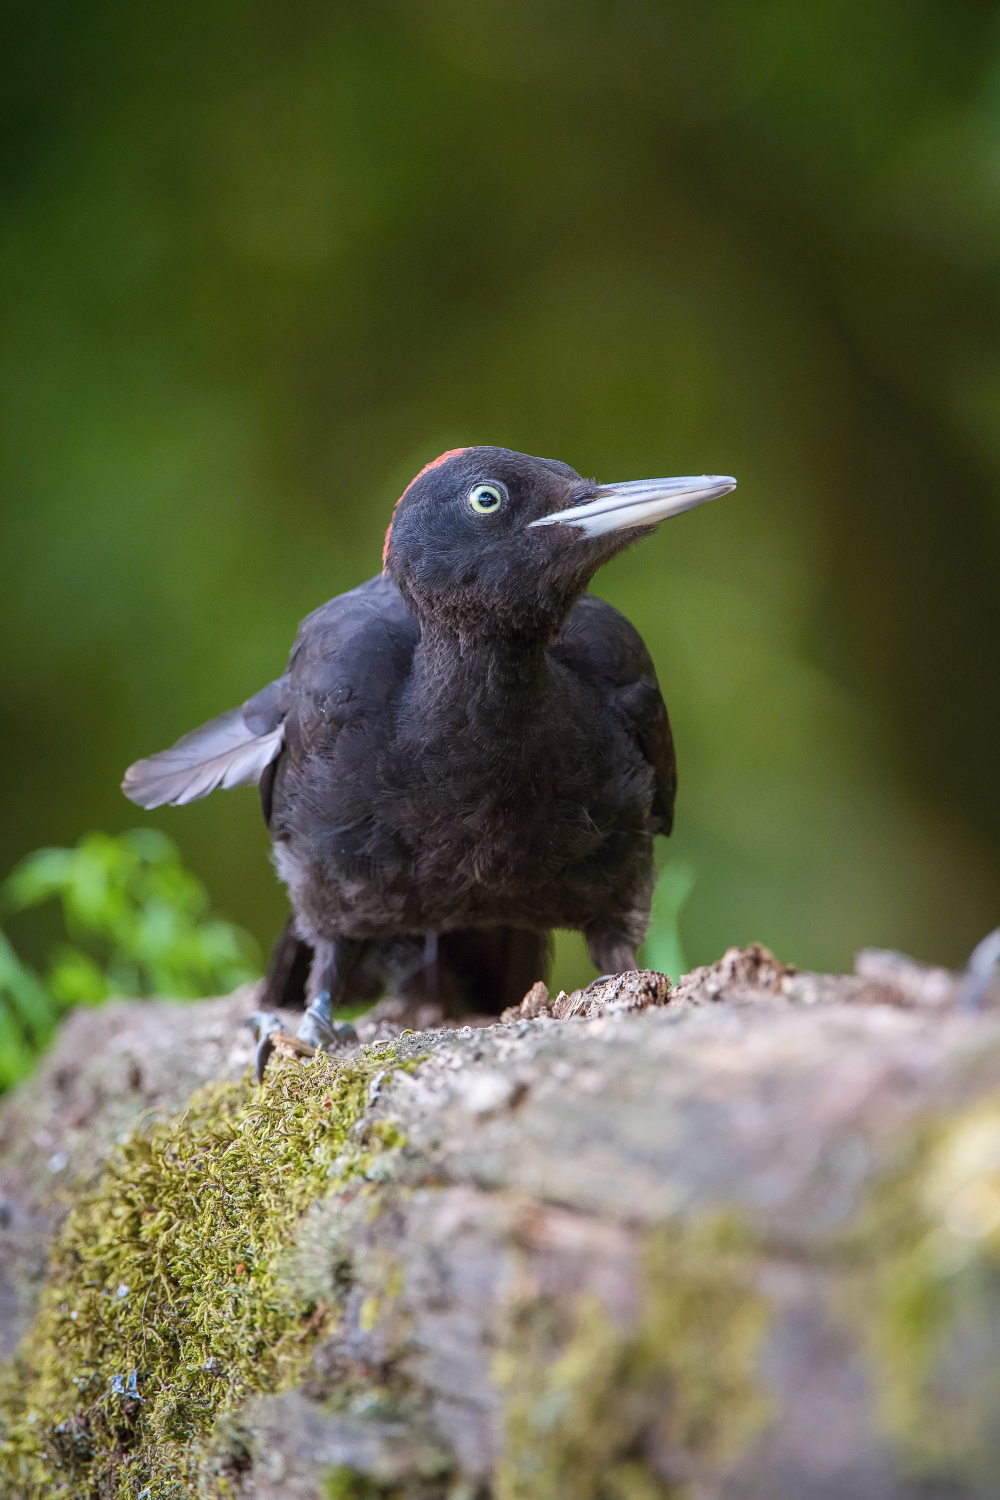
x,y
225,752
287,972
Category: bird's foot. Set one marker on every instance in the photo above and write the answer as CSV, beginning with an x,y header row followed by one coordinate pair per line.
x,y
317,1033
271,1036
320,1030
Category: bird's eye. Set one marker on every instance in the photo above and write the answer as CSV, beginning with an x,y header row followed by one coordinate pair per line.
x,y
486,498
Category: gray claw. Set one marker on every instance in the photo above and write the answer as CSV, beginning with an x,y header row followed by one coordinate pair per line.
x,y
321,1031
262,1023
264,1049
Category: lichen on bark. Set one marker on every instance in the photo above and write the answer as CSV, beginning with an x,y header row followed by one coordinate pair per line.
x,y
742,1243
586,1403
165,1302
927,1245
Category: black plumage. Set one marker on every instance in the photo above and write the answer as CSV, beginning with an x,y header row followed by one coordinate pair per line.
x,y
466,751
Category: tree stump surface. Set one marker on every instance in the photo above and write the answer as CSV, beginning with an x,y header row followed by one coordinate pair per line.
x,y
739,1238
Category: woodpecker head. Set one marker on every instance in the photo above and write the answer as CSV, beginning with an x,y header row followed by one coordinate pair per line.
x,y
485,538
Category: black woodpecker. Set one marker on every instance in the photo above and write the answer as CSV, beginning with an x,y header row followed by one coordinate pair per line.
x,y
465,752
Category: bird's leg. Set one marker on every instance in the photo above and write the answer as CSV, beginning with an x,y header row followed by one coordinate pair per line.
x,y
611,952
327,987
413,976
271,1036
287,972
332,966
432,975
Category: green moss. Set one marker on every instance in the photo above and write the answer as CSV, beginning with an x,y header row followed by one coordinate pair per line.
x,y
582,1398
165,1303
347,1484
387,1133
926,1294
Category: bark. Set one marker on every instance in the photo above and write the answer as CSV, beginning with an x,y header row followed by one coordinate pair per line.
x,y
742,1244
109,1068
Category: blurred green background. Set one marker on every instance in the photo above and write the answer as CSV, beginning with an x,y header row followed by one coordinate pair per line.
x,y
260,261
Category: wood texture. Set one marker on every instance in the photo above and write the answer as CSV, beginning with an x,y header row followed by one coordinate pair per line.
x,y
744,1244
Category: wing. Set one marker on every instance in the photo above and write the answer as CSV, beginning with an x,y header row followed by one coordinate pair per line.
x,y
238,747
603,645
344,657
232,750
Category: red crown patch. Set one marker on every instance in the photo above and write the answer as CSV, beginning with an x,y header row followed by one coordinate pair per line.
x,y
434,464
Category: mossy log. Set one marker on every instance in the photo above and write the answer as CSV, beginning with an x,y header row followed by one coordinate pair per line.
x,y
741,1244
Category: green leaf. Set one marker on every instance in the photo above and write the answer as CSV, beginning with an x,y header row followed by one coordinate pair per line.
x,y
663,949
76,979
38,877
138,920
25,996
16,1055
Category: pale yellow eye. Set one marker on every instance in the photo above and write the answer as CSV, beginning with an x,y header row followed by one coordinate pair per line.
x,y
485,499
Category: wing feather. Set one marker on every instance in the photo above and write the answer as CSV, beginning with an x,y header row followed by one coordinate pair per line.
x,y
236,748
225,752
602,644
